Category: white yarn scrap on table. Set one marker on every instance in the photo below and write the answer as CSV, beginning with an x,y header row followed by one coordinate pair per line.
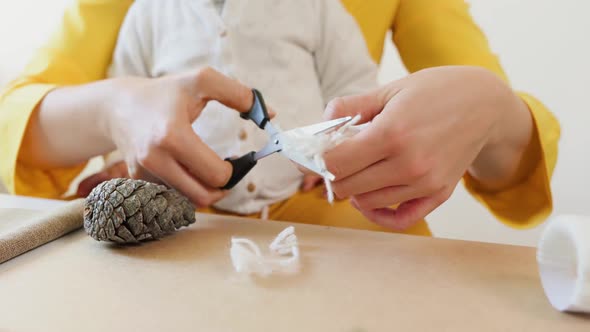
x,y
313,147
283,258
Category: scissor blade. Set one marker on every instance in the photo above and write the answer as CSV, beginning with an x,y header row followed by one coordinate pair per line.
x,y
273,145
321,127
301,160
270,129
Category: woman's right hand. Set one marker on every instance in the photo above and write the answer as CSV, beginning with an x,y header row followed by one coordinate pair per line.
x,y
149,121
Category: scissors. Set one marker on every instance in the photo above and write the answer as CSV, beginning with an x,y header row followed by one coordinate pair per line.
x,y
259,115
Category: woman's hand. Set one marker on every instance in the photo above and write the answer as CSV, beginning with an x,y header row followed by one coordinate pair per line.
x,y
147,120
151,125
116,170
310,181
427,130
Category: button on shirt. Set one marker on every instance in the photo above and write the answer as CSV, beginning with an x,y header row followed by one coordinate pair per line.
x,y
299,54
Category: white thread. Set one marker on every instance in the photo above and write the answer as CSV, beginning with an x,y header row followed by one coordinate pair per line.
x,y
313,147
284,242
247,258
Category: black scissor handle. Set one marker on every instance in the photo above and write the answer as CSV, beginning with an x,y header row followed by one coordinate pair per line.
x,y
244,164
240,167
258,113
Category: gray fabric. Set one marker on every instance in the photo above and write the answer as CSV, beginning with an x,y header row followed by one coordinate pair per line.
x,y
23,230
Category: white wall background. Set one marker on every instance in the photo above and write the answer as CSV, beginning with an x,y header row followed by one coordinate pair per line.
x,y
544,46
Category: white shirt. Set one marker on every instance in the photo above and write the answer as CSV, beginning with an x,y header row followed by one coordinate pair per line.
x,y
299,53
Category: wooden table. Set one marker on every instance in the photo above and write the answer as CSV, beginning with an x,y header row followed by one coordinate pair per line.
x,y
351,281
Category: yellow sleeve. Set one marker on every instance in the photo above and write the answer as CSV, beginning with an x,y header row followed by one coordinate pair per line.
x,y
78,52
437,33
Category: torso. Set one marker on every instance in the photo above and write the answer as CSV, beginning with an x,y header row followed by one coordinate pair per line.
x,y
267,44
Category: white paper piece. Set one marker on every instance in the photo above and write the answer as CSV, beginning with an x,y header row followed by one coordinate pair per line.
x,y
283,257
563,255
313,147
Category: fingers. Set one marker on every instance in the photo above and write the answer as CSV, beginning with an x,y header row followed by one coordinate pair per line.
x,y
392,172
369,146
199,159
372,178
86,185
403,217
355,154
118,170
176,176
310,182
210,84
388,196
406,214
395,219
271,112
368,105
136,171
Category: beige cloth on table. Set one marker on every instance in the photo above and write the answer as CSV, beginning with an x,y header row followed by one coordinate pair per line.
x,y
22,230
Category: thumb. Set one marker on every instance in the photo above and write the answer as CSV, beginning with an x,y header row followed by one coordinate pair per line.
x,y
367,105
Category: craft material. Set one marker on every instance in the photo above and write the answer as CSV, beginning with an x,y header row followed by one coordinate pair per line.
x,y
130,211
313,146
283,258
563,255
38,229
259,115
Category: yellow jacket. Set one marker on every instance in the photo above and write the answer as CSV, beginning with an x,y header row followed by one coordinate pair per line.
x,y
426,34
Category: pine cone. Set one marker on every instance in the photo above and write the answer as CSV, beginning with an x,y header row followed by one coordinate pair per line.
x,y
129,211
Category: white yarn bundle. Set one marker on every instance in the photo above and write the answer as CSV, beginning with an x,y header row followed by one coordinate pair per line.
x,y
313,147
247,258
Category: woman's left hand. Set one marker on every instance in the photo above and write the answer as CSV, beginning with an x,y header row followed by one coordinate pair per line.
x,y
427,130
